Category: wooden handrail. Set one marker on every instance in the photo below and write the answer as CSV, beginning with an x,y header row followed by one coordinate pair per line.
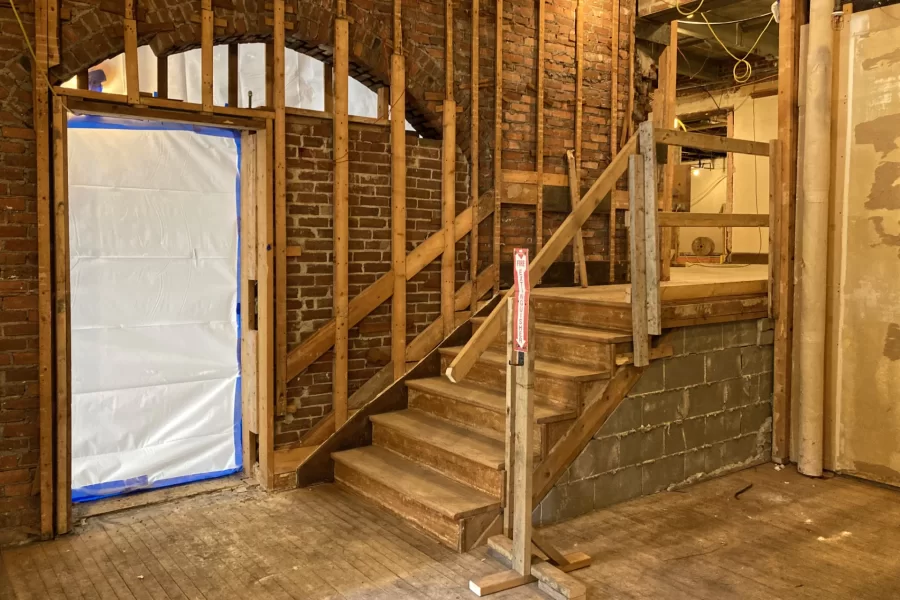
x,y
489,330
373,296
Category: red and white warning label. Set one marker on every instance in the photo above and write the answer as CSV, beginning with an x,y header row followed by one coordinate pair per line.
x,y
520,300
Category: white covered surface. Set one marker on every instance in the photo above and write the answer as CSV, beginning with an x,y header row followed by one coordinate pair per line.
x,y
153,246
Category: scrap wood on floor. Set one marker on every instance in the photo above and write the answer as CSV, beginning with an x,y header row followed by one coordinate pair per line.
x,y
787,537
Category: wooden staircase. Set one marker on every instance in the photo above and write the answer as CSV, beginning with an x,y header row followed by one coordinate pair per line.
x,y
439,463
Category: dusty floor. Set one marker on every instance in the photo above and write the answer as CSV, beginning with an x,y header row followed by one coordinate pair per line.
x,y
784,537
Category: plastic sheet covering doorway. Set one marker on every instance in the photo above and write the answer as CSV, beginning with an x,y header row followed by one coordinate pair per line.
x,y
153,216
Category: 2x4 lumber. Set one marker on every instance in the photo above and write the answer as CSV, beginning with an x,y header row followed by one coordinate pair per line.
x,y
629,107
384,102
82,80
729,183
523,467
341,213
45,283
53,18
508,498
687,219
319,343
533,177
713,143
162,76
132,82
249,268
614,129
788,50
539,208
578,241
638,249
474,139
498,141
668,79
463,362
448,177
62,309
328,84
648,151
398,199
774,191
233,74
280,212
89,107
206,55
579,78
265,232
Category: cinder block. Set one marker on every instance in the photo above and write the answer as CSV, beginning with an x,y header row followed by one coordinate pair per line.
x,y
765,383
599,456
725,364
754,417
706,399
664,407
732,423
694,431
630,452
684,371
651,380
740,392
766,338
715,457
757,359
660,474
703,338
676,338
627,417
739,450
567,502
695,462
715,428
652,444
739,333
674,438
619,486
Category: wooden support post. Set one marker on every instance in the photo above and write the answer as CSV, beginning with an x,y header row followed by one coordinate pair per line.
x,y
666,119
473,141
523,467
162,76
398,197
774,193
648,151
206,55
132,81
788,49
539,151
614,129
578,241
511,373
341,213
41,110
498,143
328,84
265,232
53,19
280,213
638,249
384,102
233,75
629,107
729,184
270,74
249,275
579,80
83,80
62,310
448,179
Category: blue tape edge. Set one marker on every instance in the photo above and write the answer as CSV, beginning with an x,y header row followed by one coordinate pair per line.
x,y
108,489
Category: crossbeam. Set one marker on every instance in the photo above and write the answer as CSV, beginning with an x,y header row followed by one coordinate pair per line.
x,y
689,219
713,143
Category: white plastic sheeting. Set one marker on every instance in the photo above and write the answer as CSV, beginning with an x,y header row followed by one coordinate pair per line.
x,y
154,324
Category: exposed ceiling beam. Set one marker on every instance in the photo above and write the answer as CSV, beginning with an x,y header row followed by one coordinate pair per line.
x,y
739,43
665,10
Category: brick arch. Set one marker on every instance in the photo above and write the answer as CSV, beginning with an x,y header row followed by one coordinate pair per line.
x,y
93,35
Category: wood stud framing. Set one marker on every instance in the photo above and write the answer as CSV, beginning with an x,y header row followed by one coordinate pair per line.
x,y
265,237
132,82
613,130
473,141
498,141
341,212
206,54
448,178
398,197
280,196
539,208
233,75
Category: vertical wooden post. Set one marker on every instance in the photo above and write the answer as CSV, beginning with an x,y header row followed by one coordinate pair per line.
x,y
162,76
539,208
629,108
398,197
249,276
648,151
498,143
579,81
328,84
523,468
668,75
265,233
280,213
132,82
578,241
613,130
270,75
788,48
474,140
341,213
206,55
62,306
511,372
774,193
448,180
729,183
45,284
83,80
233,75
384,102
638,248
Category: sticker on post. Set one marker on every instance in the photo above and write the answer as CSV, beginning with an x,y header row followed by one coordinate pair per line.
x,y
520,300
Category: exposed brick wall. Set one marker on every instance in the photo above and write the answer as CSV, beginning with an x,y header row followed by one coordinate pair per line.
x,y
702,413
310,276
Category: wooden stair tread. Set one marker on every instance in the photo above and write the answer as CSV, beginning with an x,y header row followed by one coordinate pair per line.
x,y
542,366
425,428
486,398
601,336
429,488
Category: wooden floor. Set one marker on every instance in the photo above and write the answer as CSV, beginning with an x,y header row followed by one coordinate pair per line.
x,y
784,537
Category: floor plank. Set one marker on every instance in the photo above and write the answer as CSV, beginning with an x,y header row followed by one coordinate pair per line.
x,y
786,536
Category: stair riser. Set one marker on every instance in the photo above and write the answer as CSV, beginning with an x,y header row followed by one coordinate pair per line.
x,y
441,460
476,418
613,316
593,355
445,529
560,392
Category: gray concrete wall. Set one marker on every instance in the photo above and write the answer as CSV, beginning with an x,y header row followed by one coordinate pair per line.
x,y
704,412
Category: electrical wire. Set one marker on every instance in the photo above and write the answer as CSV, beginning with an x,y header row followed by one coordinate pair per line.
x,y
12,4
733,22
748,68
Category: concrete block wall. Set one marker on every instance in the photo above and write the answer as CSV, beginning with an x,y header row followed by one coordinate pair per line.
x,y
704,412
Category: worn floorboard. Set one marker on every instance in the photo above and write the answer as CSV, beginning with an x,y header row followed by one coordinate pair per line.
x,y
785,537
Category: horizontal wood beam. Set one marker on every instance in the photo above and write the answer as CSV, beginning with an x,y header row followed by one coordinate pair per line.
x,y
687,219
713,143
532,177
666,10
